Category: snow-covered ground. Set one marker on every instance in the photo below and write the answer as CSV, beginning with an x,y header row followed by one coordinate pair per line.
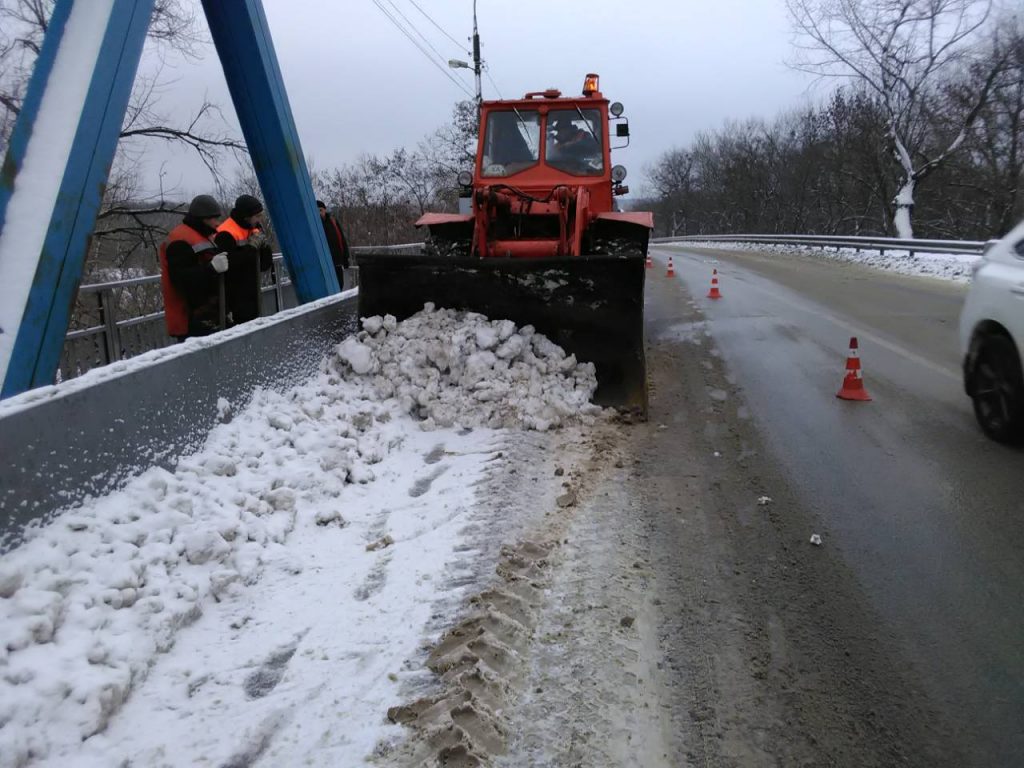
x,y
946,266
270,595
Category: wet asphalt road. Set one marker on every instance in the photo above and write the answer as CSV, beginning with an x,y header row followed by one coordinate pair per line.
x,y
926,512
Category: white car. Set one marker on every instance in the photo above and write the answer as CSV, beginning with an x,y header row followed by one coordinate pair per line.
x,y
992,339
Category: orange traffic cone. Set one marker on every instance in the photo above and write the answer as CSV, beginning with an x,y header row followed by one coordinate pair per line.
x,y
650,262
714,293
671,270
853,383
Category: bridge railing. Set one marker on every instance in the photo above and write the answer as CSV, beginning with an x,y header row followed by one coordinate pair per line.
x,y
880,244
120,319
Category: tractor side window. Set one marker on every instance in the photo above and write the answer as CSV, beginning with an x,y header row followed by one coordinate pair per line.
x,y
574,141
512,142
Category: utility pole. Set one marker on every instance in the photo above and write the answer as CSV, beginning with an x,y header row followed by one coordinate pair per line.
x,y
477,67
476,58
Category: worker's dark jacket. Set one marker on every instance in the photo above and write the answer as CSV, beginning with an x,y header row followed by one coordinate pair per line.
x,y
188,281
336,241
246,261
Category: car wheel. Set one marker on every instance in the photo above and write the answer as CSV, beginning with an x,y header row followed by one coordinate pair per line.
x,y
998,389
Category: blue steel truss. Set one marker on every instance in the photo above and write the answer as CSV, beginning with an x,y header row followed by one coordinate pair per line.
x,y
243,42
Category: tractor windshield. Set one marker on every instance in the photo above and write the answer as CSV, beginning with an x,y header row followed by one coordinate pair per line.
x,y
511,142
574,141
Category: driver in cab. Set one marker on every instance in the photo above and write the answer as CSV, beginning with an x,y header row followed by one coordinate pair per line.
x,y
569,140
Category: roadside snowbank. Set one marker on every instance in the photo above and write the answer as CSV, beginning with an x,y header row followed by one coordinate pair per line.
x,y
945,266
93,599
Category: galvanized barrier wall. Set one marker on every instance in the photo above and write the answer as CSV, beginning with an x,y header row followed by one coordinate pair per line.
x,y
84,438
124,318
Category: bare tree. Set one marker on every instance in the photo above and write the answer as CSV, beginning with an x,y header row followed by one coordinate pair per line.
x,y
23,25
380,197
132,219
671,179
901,50
989,179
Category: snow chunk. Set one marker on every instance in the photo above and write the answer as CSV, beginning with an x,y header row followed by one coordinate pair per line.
x,y
373,324
282,499
223,409
450,368
10,581
205,545
327,516
358,356
486,337
221,465
280,421
382,543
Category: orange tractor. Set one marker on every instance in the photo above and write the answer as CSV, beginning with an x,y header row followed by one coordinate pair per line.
x,y
542,243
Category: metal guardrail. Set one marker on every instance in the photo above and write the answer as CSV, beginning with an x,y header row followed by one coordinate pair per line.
x,y
880,244
125,318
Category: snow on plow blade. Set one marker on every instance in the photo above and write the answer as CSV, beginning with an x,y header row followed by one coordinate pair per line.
x,y
591,306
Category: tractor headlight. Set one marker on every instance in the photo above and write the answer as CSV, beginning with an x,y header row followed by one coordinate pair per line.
x,y
465,178
618,173
616,108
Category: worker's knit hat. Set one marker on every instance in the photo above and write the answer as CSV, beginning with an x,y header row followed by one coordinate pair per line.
x,y
204,207
247,205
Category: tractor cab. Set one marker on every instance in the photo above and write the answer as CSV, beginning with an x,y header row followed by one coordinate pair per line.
x,y
545,139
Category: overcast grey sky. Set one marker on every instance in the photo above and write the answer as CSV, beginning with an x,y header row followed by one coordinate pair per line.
x,y
357,85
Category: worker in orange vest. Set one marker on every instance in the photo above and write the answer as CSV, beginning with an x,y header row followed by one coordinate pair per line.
x,y
191,266
242,236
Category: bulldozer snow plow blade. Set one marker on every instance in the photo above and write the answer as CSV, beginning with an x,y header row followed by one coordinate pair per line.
x,y
591,306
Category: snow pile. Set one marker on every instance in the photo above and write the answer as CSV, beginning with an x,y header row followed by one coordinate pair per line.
x,y
957,267
945,266
447,368
91,600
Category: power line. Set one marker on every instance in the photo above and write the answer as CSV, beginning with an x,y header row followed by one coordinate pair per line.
x,y
422,50
443,32
487,71
414,29
412,26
